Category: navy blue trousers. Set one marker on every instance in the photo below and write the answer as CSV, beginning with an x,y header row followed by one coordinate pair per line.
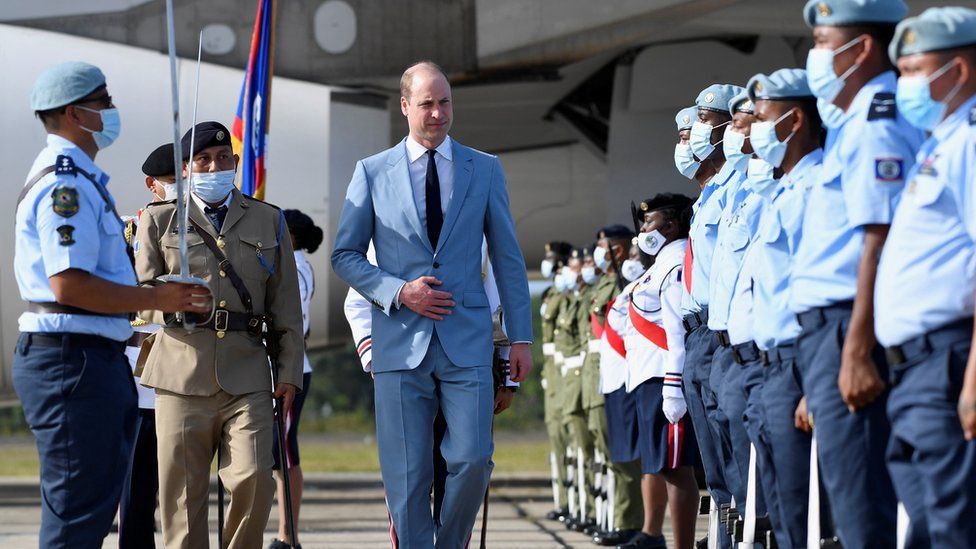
x,y
850,446
754,425
137,510
789,449
80,402
726,418
927,446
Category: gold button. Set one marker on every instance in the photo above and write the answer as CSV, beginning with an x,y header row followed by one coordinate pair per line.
x,y
259,244
221,243
220,334
222,303
222,274
576,372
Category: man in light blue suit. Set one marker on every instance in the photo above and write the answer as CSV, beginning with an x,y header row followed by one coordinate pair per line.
x,y
426,204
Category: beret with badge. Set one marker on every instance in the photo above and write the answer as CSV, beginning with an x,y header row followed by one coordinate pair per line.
x,y
781,85
741,103
717,96
666,201
935,29
64,84
686,118
208,134
845,13
159,163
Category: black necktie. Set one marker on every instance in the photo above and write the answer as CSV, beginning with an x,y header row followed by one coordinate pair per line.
x,y
216,215
432,191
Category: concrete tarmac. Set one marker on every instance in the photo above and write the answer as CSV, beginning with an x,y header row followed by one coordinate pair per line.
x,y
347,510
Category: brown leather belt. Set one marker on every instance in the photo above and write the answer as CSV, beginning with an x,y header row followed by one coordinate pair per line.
x,y
137,338
57,308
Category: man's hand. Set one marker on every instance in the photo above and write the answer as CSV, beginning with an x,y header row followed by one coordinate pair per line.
x,y
173,297
419,297
967,413
858,380
519,362
286,392
503,399
801,417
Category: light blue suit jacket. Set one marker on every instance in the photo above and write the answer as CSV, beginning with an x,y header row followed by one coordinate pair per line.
x,y
380,207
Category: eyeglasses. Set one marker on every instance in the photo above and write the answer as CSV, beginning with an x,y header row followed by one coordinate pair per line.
x,y
105,101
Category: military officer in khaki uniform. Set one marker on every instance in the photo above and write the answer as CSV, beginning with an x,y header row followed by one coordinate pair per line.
x,y
557,253
213,385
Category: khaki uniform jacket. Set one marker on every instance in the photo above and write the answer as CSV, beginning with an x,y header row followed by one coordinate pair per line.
x,y
202,362
602,293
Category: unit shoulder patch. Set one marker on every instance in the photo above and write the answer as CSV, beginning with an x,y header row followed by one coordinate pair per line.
x,y
65,200
888,170
883,107
67,235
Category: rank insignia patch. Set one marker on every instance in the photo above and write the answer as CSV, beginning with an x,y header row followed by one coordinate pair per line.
x,y
67,235
65,200
888,169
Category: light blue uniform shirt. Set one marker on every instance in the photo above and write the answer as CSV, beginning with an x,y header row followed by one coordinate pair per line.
x,y
927,274
863,173
771,265
91,239
737,227
704,233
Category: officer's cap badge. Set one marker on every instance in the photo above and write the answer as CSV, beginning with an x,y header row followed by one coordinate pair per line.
x,y
644,207
65,200
548,247
823,9
909,37
686,120
746,106
709,97
603,234
220,135
758,87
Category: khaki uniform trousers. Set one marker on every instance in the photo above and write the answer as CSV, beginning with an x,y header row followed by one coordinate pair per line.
x,y
188,430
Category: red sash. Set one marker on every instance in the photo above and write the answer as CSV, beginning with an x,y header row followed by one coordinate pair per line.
x,y
689,259
648,329
595,326
613,338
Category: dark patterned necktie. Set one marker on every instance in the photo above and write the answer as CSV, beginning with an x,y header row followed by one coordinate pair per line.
x,y
216,216
432,191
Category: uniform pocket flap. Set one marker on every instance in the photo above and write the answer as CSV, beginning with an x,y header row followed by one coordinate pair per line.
x,y
260,243
474,299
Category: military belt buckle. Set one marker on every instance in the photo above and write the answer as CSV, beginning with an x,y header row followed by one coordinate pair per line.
x,y
895,355
221,317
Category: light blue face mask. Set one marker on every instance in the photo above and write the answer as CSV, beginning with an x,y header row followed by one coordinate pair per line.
x,y
915,103
602,258
685,161
589,275
701,139
732,145
765,142
761,178
213,187
831,115
823,81
632,269
111,126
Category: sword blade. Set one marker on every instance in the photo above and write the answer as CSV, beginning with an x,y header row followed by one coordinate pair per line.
x,y
177,149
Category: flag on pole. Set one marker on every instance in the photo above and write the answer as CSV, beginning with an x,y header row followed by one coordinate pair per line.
x,y
249,133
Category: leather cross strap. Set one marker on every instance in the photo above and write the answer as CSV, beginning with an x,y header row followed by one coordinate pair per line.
x,y
30,184
226,266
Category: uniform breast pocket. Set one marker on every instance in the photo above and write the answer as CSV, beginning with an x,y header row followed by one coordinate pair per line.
x,y
769,232
925,191
258,256
738,238
195,251
112,254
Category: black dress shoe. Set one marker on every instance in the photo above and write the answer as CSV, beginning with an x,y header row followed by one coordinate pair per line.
x,y
702,543
577,526
589,527
557,514
570,523
612,539
645,541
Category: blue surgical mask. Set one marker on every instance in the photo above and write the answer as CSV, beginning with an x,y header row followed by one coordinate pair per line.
x,y
760,179
685,161
546,268
831,115
701,139
765,142
732,147
213,187
915,103
111,126
589,275
823,81
651,243
602,258
632,269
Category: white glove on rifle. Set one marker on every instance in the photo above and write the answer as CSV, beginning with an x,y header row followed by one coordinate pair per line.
x,y
673,406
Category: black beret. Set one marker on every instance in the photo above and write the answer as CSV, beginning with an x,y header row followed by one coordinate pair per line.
x,y
160,162
615,231
208,134
559,248
665,201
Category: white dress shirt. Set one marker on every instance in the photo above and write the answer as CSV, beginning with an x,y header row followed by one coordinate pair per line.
x,y
444,158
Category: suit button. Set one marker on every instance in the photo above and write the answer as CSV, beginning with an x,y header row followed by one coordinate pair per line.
x,y
222,304
222,274
437,265
220,335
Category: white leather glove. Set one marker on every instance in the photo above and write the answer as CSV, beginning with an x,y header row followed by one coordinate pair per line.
x,y
674,407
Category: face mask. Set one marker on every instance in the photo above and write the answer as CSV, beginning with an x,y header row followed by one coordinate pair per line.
x,y
570,280
685,161
111,126
701,139
823,81
760,179
831,115
651,243
914,99
631,269
169,190
589,275
601,258
765,142
213,187
546,268
732,147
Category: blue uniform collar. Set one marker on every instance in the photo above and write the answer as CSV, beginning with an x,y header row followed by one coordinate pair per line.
x,y
723,176
80,157
963,115
800,174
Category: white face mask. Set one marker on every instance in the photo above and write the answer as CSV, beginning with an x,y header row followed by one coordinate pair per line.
x,y
767,144
732,147
570,279
760,178
701,139
589,275
823,81
651,243
684,160
169,190
632,269
602,258
546,268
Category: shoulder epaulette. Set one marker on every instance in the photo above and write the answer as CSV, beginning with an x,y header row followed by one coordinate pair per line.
x,y
883,107
64,165
259,201
161,203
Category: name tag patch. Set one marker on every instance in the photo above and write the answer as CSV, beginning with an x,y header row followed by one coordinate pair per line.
x,y
888,169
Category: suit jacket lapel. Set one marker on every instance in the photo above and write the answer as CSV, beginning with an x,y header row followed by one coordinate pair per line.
x,y
399,176
201,219
462,180
235,211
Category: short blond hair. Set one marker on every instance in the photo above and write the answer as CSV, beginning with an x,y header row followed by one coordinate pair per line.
x,y
406,80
